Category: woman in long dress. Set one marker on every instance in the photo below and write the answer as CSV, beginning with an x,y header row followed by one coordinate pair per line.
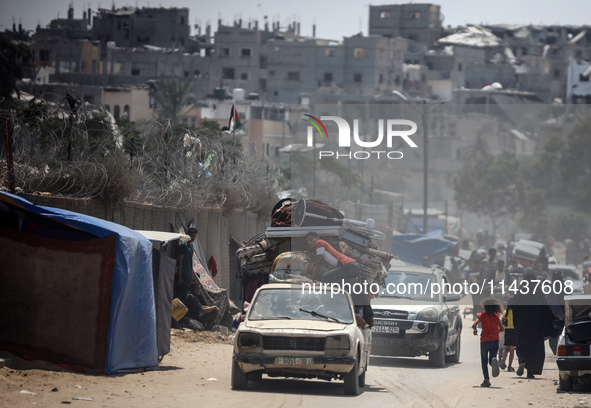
x,y
533,320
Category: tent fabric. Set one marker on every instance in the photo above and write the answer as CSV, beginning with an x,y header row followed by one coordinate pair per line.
x,y
163,288
46,309
132,340
413,248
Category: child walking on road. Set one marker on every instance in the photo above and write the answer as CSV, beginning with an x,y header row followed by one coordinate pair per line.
x,y
489,337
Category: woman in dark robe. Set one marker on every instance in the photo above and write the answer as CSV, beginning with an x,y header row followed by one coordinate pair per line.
x,y
533,320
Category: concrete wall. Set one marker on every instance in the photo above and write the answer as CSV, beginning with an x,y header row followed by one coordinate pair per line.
x,y
215,228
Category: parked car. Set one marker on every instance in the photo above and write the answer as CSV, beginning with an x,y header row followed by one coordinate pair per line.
x,y
573,356
293,332
568,271
417,322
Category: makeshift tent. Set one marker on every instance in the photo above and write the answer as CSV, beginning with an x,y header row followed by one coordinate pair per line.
x,y
163,268
75,289
416,248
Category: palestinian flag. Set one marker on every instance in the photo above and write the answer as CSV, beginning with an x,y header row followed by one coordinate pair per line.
x,y
234,122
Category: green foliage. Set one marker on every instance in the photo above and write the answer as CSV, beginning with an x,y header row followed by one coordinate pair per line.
x,y
172,96
563,168
575,165
212,125
569,224
494,187
122,180
14,58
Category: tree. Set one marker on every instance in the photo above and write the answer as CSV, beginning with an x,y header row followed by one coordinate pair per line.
x,y
575,166
172,97
494,187
14,58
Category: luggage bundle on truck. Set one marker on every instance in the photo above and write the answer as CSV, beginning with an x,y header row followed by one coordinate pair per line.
x,y
259,260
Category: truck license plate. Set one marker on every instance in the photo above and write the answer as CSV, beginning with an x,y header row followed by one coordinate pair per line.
x,y
294,360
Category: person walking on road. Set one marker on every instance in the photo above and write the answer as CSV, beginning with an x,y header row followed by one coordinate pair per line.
x,y
489,337
533,320
508,348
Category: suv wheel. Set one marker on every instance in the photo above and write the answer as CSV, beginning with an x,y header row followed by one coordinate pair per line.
x,y
437,357
455,358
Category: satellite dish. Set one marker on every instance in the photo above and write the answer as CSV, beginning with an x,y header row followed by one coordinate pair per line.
x,y
299,213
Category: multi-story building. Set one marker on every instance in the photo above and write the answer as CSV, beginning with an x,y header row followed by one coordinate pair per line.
x,y
301,65
240,58
419,22
135,27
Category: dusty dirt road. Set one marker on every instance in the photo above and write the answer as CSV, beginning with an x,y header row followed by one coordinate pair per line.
x,y
197,373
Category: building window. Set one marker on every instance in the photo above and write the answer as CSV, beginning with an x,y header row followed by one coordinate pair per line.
x,y
244,76
386,14
135,71
143,39
108,108
381,79
228,73
43,55
328,77
182,20
293,76
245,52
357,78
126,112
584,78
460,67
359,53
224,51
329,52
116,112
556,73
415,15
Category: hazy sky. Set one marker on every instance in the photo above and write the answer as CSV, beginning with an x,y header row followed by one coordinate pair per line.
x,y
333,19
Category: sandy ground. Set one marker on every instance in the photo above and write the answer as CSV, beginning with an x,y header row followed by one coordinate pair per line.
x,y
197,373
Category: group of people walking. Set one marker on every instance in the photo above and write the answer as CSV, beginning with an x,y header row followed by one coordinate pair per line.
x,y
526,322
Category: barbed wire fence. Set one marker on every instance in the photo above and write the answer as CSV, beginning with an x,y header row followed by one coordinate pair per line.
x,y
75,149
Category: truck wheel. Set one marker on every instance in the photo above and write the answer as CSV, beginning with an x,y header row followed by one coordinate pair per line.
x,y
239,379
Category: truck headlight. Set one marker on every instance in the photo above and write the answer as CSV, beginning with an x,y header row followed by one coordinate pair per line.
x,y
429,315
250,340
337,343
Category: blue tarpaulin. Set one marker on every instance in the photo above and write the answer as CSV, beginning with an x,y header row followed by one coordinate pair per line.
x,y
414,248
132,321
